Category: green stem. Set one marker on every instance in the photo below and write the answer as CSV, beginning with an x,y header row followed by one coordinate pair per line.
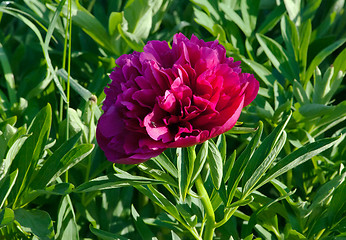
x,y
210,216
228,215
68,69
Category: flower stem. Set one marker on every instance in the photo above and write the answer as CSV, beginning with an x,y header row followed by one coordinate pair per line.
x,y
210,223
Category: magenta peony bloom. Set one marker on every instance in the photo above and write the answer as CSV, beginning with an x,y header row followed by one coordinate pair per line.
x,y
171,97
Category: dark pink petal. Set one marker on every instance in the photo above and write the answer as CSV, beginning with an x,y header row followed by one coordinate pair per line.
x,y
251,88
168,102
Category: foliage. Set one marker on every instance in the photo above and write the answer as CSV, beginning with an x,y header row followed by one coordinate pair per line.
x,y
278,175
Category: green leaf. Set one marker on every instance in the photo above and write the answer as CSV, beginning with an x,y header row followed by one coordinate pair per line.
x,y
6,185
11,154
266,76
208,8
329,120
272,19
157,174
240,164
73,157
187,212
322,85
175,236
11,121
309,11
321,56
215,163
56,189
59,161
6,217
67,227
293,8
19,133
276,55
299,93
52,26
241,130
231,15
53,164
298,157
9,77
289,33
36,222
133,179
105,235
138,15
254,217
142,229
83,92
313,110
324,194
115,181
305,34
264,155
33,27
249,11
339,63
335,85
264,164
32,149
222,146
337,204
114,20
166,163
132,40
199,162
89,24
229,166
160,200
183,170
204,20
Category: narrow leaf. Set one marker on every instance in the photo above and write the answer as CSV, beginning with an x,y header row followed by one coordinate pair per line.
x,y
240,164
83,92
265,75
199,162
272,19
9,77
105,235
182,164
66,223
6,185
167,164
215,163
141,228
265,164
160,200
264,150
114,181
298,157
276,55
321,56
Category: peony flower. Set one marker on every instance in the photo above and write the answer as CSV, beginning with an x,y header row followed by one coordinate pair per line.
x,y
171,97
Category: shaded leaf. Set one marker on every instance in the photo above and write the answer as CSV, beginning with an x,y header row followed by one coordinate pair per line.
x,y
105,235
298,157
35,221
6,216
6,185
67,227
142,229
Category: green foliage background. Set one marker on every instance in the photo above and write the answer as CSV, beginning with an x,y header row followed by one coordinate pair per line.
x,y
279,175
